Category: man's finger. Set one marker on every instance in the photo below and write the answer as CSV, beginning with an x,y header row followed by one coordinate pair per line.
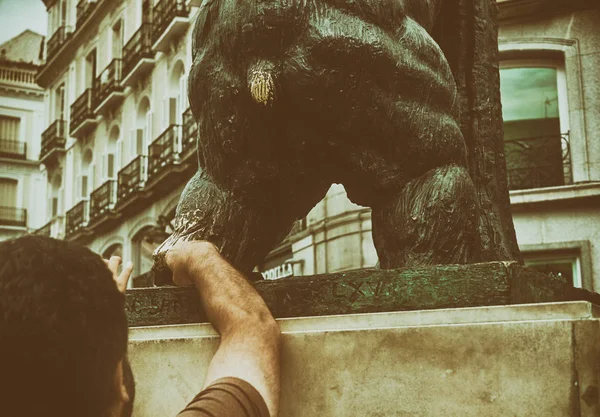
x,y
113,264
123,278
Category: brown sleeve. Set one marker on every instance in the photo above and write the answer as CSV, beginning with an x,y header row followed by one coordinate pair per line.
x,y
227,397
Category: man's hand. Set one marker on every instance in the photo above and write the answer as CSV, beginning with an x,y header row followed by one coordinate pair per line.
x,y
122,278
185,254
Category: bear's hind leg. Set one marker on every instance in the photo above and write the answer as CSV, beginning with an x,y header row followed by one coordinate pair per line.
x,y
431,221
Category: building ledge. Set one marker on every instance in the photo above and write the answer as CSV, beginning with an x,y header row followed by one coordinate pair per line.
x,y
516,9
17,161
562,193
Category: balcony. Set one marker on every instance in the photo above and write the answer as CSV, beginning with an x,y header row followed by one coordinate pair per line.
x,y
84,9
190,135
77,219
108,91
164,152
83,118
14,217
14,149
45,230
53,141
55,43
171,20
538,162
103,200
138,56
132,179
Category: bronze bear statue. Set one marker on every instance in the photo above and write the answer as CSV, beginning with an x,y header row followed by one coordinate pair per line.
x,y
291,96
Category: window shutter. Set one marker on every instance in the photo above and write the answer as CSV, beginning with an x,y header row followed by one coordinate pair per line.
x,y
173,106
132,145
166,115
105,167
91,179
54,206
149,129
120,153
183,97
78,188
84,186
110,165
139,142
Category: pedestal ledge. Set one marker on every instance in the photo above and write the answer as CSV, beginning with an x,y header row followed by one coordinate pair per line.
x,y
537,360
370,291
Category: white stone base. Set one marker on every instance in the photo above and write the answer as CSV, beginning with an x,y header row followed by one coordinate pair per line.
x,y
527,360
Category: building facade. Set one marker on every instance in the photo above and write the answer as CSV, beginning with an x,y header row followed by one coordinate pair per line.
x,y
119,140
21,121
119,143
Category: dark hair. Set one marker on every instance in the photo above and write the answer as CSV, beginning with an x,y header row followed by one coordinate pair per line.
x,y
62,329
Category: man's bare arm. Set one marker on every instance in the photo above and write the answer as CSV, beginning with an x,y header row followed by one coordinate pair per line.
x,y
250,337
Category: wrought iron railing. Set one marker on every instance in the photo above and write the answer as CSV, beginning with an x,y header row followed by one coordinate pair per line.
x,y
84,9
190,133
132,178
108,82
82,109
11,216
137,48
54,228
103,199
164,151
164,13
60,37
77,218
13,149
45,230
54,138
538,162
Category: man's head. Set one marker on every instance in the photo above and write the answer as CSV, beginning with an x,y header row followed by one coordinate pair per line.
x,y
63,331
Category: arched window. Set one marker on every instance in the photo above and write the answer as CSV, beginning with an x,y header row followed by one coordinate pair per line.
x,y
86,177
176,102
142,136
144,244
55,193
115,249
112,155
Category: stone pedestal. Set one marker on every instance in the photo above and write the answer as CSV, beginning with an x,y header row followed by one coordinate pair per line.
x,y
519,360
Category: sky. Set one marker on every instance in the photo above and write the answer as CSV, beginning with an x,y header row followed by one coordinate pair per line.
x,y
19,15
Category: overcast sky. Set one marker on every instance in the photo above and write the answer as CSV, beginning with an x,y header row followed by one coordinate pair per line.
x,y
19,15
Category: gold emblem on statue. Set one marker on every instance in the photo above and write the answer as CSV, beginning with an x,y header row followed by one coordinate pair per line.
x,y
262,87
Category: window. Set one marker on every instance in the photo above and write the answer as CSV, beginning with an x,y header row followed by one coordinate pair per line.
x,y
90,69
112,151
141,137
177,102
10,215
117,40
536,128
55,196
86,178
59,102
8,192
563,266
10,128
113,250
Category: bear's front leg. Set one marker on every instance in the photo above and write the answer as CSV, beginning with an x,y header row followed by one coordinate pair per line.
x,y
243,234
